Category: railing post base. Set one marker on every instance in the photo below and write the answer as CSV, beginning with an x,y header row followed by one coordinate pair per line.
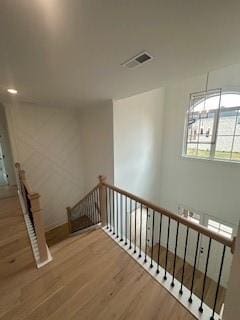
x,y
103,200
69,219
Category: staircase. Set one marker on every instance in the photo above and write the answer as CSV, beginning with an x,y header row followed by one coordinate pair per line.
x,y
85,213
33,216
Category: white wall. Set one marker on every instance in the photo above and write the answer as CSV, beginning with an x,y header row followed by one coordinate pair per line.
x,y
6,148
148,141
46,141
97,139
137,142
63,151
148,159
210,187
207,187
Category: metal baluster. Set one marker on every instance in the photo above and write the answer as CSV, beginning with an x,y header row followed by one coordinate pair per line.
x,y
126,217
88,209
146,239
184,260
135,228
121,216
130,225
159,242
140,240
194,268
85,208
93,206
98,206
205,274
166,259
107,208
153,218
117,214
218,283
175,255
110,207
113,194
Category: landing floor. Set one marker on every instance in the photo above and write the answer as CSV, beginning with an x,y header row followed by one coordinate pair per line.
x,y
90,277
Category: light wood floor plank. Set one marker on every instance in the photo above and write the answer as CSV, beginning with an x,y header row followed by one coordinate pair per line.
x,y
90,277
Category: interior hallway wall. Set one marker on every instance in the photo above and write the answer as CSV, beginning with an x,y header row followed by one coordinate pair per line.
x,y
97,138
63,151
47,143
6,148
206,186
137,143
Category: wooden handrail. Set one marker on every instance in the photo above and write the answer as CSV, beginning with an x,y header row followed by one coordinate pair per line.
x,y
197,227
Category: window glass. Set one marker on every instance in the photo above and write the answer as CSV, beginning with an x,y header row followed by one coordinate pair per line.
x,y
213,126
220,228
194,217
236,149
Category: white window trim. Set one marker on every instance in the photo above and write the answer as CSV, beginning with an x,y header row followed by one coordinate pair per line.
x,y
204,217
220,221
185,136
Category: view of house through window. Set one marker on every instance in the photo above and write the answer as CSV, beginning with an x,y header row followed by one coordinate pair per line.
x,y
220,228
213,125
210,222
194,217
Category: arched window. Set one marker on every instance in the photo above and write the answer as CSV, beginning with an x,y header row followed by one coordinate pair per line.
x,y
213,125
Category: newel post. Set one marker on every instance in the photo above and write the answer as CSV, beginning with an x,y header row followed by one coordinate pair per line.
x,y
38,225
69,219
103,200
231,305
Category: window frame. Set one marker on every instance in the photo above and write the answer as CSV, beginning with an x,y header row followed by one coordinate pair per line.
x,y
219,228
212,153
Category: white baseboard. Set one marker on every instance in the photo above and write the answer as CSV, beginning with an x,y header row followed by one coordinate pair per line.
x,y
32,236
33,240
174,291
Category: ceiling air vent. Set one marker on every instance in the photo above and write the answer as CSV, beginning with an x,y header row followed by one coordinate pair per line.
x,y
138,60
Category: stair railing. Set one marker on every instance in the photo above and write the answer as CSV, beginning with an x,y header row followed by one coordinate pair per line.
x,y
163,230
166,244
86,213
30,202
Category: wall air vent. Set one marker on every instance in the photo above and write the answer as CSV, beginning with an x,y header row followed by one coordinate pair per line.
x,y
138,60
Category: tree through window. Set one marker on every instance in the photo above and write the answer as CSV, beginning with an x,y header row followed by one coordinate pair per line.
x,y
213,125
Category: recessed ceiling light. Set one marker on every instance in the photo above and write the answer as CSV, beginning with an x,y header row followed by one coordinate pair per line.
x,y
12,91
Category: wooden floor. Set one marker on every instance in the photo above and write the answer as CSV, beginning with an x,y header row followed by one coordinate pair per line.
x,y
57,234
61,232
210,288
90,277
8,191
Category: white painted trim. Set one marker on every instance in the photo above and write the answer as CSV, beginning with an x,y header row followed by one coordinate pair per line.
x,y
32,236
33,240
174,291
216,160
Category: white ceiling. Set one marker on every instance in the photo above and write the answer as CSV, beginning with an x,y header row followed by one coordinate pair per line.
x,y
68,52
